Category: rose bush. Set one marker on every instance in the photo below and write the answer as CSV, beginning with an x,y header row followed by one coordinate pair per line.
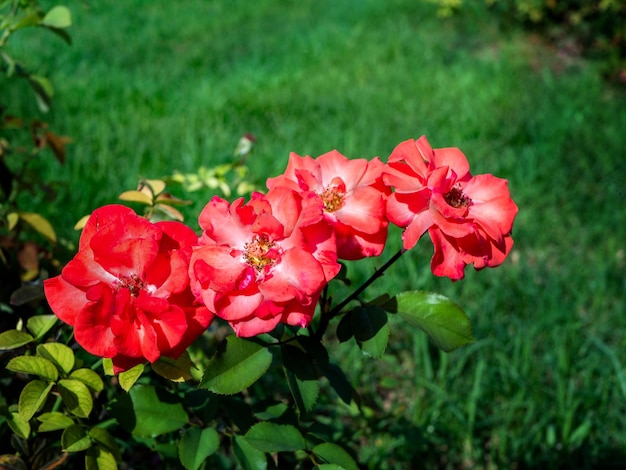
x,y
142,292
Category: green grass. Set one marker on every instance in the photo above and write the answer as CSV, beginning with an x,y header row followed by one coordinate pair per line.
x,y
152,87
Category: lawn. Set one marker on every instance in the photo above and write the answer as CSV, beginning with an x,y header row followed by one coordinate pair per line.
x,y
150,87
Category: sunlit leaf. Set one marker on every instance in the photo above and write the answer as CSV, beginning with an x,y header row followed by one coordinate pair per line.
x,y
74,439
59,354
334,454
99,458
40,224
247,456
136,196
32,397
196,445
272,437
167,198
34,365
129,377
53,421
234,370
176,370
18,425
57,17
445,322
90,378
154,187
13,339
39,325
147,412
12,220
107,366
81,222
170,212
76,397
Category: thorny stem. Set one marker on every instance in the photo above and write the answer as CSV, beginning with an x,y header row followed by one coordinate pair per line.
x,y
327,316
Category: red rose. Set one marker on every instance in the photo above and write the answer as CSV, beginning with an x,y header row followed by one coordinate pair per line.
x,y
126,292
469,218
354,198
263,262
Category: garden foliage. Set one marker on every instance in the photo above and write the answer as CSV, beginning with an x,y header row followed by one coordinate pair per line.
x,y
211,348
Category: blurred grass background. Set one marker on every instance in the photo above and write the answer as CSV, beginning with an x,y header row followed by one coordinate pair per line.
x,y
149,87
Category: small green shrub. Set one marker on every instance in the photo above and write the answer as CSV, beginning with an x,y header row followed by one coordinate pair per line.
x,y
593,27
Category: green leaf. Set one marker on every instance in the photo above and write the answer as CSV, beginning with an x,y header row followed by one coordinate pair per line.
x,y
247,456
74,439
176,370
304,392
371,329
196,445
98,458
89,378
18,425
129,377
273,411
39,325
106,440
333,454
29,19
147,412
34,365
53,421
76,397
13,339
242,364
301,378
445,322
340,383
59,354
344,328
272,437
57,17
33,396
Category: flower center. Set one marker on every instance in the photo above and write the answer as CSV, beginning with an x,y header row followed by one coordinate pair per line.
x,y
333,198
133,283
260,253
456,198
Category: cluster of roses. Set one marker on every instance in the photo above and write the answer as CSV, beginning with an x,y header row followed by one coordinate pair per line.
x,y
138,290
